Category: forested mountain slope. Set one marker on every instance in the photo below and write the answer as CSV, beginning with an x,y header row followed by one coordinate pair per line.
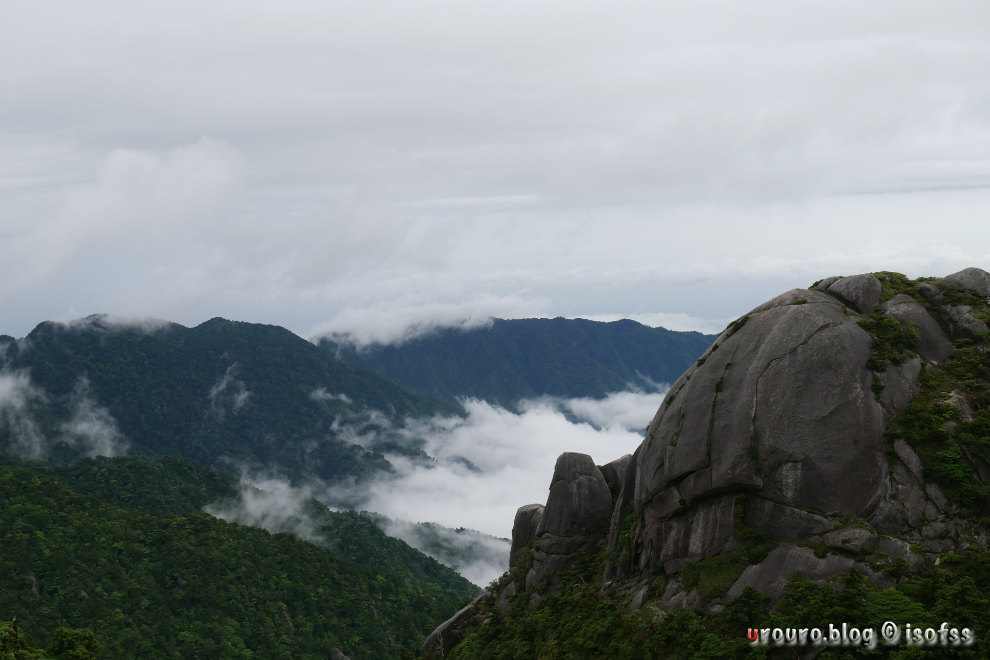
x,y
222,393
164,584
515,359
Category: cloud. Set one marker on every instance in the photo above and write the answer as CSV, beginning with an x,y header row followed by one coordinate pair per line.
x,y
475,472
271,503
17,396
228,392
109,322
91,427
493,461
629,410
479,557
361,326
321,394
322,169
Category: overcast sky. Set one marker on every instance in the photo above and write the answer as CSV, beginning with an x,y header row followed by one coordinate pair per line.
x,y
366,165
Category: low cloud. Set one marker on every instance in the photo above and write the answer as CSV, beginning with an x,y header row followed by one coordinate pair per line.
x,y
228,393
321,394
479,557
457,481
17,396
91,427
271,503
111,322
494,460
630,410
396,324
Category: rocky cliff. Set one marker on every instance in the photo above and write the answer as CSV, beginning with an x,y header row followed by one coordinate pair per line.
x,y
843,426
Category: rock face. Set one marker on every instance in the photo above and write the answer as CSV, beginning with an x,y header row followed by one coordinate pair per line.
x,y
969,279
779,432
449,633
524,528
779,427
576,513
780,405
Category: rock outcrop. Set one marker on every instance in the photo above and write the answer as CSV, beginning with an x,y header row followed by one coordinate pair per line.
x,y
576,514
783,435
969,279
524,528
780,427
450,632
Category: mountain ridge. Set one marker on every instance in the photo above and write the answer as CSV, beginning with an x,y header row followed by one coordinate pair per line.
x,y
513,359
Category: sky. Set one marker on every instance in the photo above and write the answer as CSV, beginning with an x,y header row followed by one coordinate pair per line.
x,y
371,167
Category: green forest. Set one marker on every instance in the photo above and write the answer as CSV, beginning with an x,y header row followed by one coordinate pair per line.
x,y
521,358
147,576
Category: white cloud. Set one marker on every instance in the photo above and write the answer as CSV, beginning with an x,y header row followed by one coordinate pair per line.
x,y
90,426
323,167
108,322
321,394
229,392
394,325
479,557
629,410
17,394
509,460
269,502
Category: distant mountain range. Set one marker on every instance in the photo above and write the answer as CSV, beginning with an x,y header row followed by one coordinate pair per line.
x,y
119,546
223,393
510,360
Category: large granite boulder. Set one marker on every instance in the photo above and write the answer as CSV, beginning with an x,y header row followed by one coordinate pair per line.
x,y
576,514
779,428
449,633
975,280
780,404
524,528
933,345
861,292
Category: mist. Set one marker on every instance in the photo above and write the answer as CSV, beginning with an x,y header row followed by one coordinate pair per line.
x,y
479,557
228,392
492,461
91,427
17,394
454,500
271,503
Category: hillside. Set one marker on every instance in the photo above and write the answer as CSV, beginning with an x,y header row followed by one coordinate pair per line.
x,y
223,393
516,359
164,584
827,460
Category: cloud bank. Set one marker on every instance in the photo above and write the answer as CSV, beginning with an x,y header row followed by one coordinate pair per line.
x,y
494,460
90,428
475,472
319,167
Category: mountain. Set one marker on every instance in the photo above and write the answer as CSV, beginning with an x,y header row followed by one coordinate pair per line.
x,y
510,360
827,460
222,393
135,503
190,585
